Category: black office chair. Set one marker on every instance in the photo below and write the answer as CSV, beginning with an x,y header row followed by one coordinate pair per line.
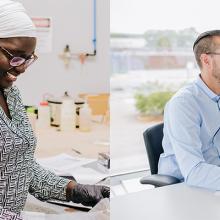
x,y
153,141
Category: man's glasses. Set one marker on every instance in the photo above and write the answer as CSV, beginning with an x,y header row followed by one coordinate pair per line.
x,y
16,61
214,53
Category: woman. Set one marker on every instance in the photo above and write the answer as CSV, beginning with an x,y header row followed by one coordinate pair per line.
x,y
19,172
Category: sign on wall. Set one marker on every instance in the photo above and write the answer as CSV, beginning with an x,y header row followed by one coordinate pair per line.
x,y
44,34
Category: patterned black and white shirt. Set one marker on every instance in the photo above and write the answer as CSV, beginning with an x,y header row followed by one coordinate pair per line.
x,y
19,172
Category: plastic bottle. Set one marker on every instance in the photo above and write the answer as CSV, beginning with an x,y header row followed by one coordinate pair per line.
x,y
85,118
79,102
67,114
43,121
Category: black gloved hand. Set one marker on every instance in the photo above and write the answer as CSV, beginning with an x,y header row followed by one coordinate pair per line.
x,y
89,195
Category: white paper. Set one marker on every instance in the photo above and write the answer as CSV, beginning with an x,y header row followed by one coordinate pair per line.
x,y
100,212
42,216
33,215
73,216
134,185
117,190
61,163
85,175
103,205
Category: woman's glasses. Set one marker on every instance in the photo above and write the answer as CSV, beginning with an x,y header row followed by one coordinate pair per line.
x,y
16,61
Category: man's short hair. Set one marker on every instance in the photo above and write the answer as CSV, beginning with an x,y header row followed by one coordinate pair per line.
x,y
204,44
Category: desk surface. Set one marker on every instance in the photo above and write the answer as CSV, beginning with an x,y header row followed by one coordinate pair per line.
x,y
167,203
51,142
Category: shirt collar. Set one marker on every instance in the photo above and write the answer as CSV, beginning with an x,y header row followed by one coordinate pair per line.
x,y
206,89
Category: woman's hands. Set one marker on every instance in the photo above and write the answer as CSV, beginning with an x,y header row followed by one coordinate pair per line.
x,y
88,195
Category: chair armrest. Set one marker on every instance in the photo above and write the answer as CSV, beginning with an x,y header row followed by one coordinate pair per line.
x,y
159,180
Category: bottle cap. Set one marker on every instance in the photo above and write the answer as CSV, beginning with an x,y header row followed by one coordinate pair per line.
x,y
44,103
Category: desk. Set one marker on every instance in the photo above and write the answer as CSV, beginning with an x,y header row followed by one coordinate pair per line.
x,y
174,202
51,142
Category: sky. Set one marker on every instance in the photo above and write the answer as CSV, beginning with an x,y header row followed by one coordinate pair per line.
x,y
137,16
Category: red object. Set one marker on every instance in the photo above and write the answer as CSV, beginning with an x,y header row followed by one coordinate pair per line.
x,y
44,103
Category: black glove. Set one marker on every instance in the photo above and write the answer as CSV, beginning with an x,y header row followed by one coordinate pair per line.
x,y
89,195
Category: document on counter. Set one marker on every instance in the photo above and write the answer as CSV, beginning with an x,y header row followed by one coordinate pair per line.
x,y
86,175
75,216
134,185
33,215
62,162
68,216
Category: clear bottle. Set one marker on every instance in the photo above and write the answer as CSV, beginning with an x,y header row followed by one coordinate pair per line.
x,y
43,121
67,114
85,116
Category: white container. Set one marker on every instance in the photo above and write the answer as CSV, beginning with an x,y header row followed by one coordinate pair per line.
x,y
85,116
43,121
78,104
55,108
67,114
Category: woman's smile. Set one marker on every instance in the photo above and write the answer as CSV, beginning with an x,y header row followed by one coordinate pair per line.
x,y
11,77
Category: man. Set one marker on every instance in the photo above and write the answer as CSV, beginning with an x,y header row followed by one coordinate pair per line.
x,y
192,121
19,172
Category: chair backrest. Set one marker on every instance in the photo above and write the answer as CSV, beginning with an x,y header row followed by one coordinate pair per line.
x,y
153,141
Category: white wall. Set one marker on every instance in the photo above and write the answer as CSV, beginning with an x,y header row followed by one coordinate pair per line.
x,y
72,22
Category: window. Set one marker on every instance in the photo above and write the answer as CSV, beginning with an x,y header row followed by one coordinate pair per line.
x,y
151,52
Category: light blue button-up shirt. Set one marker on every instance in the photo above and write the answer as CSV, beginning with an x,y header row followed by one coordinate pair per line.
x,y
192,136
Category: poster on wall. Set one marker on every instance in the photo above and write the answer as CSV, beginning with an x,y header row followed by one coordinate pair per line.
x,y
44,34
